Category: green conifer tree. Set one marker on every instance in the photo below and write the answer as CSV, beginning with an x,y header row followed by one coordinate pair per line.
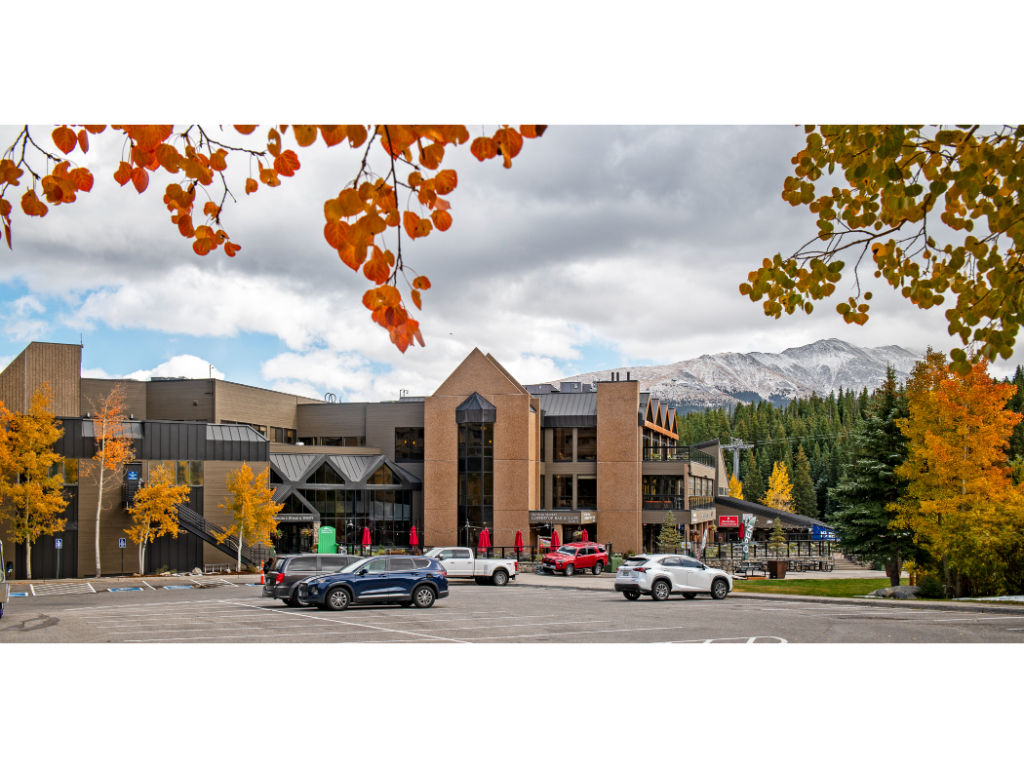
x,y
669,537
805,500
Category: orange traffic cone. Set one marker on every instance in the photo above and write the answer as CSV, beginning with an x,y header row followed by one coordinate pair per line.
x,y
261,578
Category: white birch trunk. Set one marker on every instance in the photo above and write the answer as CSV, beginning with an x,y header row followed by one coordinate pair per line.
x,y
28,558
142,557
238,567
99,508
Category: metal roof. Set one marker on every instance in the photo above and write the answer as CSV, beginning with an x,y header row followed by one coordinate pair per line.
x,y
234,433
475,409
292,466
768,513
131,429
569,409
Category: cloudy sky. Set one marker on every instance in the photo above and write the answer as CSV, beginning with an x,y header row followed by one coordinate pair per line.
x,y
602,246
608,243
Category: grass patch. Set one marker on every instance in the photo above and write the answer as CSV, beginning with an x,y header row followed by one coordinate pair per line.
x,y
816,587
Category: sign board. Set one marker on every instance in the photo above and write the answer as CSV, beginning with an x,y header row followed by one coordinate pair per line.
x,y
133,475
563,517
58,543
122,543
729,521
821,533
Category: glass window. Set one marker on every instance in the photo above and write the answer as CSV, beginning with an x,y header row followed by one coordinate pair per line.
x,y
586,491
561,492
275,479
408,443
563,444
463,553
195,471
672,562
421,562
67,470
586,444
376,565
400,564
383,476
302,564
325,474
689,562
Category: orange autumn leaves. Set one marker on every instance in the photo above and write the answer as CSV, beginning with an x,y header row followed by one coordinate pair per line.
x,y
364,223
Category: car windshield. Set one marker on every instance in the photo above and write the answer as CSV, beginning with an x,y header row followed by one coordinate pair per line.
x,y
353,567
567,550
634,560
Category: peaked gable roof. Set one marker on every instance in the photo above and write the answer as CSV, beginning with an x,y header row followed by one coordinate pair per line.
x,y
480,372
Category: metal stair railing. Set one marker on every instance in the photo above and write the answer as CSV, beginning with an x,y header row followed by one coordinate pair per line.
x,y
198,525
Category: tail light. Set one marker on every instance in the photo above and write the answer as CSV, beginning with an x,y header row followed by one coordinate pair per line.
x,y
279,578
517,566
641,570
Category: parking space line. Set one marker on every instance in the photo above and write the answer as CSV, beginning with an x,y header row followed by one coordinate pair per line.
x,y
981,618
312,617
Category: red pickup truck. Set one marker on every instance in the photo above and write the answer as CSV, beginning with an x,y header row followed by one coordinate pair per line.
x,y
578,556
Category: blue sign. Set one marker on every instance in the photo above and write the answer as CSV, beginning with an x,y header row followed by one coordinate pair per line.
x,y
821,533
133,475
58,543
122,543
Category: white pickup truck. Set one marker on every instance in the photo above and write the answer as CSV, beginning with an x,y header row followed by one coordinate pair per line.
x,y
462,562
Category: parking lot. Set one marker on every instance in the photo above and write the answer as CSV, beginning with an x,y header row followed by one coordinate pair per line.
x,y
520,613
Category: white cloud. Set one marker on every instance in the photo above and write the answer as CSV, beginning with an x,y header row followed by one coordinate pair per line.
x,y
187,366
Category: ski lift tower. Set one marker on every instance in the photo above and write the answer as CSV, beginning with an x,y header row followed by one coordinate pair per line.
x,y
736,445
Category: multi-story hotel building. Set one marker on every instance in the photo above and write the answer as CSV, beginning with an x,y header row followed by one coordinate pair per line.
x,y
482,450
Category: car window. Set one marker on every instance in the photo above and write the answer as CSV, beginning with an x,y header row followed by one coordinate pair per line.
x,y
333,561
421,562
567,550
635,560
589,551
689,562
600,550
400,564
448,554
672,562
376,565
302,564
463,553
279,563
355,565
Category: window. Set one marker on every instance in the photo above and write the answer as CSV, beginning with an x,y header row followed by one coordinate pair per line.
x,y
67,470
689,562
320,440
302,564
475,479
561,492
586,444
376,565
184,472
408,443
325,474
420,562
282,435
275,479
586,491
563,444
672,562
400,564
383,476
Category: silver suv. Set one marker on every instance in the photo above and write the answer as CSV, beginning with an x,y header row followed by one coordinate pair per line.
x,y
661,575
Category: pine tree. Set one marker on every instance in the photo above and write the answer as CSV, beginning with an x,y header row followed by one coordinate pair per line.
x,y
777,538
751,474
669,537
864,498
805,500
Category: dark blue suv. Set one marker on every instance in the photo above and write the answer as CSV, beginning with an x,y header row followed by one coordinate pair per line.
x,y
401,579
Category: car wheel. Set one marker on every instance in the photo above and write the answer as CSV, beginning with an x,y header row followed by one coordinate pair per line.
x,y
598,567
632,595
660,590
689,595
719,589
292,602
570,569
423,597
500,578
337,599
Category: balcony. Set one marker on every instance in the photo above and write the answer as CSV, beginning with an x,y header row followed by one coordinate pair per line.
x,y
663,501
677,453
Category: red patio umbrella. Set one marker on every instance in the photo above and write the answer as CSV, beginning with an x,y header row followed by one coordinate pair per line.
x,y
414,539
586,536
366,537
555,542
519,542
485,539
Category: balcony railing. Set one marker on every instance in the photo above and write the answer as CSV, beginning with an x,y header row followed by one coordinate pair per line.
x,y
663,501
701,502
677,453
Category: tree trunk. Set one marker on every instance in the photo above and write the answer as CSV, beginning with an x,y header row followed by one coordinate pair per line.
x,y
99,508
142,557
892,570
28,559
238,568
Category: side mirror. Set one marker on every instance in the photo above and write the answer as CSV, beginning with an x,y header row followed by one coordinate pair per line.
x,y
9,568
362,572
440,557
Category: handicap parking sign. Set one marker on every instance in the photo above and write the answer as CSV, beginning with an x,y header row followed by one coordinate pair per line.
x,y
58,543
122,543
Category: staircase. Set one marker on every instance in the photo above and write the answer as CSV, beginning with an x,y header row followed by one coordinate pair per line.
x,y
197,525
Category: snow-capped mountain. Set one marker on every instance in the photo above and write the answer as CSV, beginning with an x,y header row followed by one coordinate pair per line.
x,y
728,378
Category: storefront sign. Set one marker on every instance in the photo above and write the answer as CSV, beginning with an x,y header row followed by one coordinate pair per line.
x,y
560,517
729,521
821,533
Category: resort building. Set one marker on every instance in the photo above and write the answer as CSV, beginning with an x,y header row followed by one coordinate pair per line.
x,y
481,451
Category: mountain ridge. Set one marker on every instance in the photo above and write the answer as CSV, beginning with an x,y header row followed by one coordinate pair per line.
x,y
726,379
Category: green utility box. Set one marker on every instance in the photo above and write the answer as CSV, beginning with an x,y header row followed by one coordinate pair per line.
x,y
326,541
614,562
